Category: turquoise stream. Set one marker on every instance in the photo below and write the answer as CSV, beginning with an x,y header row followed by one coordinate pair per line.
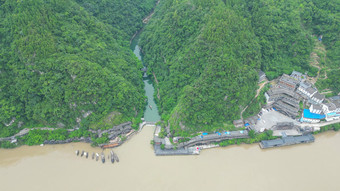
x,y
151,113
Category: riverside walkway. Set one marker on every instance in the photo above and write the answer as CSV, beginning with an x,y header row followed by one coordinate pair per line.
x,y
27,130
320,124
206,139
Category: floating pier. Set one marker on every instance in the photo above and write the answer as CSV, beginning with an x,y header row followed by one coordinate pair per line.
x,y
181,151
285,141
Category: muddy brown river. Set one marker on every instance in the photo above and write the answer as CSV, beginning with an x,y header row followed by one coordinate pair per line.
x,y
307,167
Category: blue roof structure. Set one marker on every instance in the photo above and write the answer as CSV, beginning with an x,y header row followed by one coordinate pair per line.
x,y
308,114
204,133
246,125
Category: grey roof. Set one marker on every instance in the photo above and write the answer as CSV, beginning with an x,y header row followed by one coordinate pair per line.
x,y
331,106
334,98
298,75
319,96
261,73
284,126
304,138
305,85
288,79
236,122
317,106
337,104
287,141
311,90
271,143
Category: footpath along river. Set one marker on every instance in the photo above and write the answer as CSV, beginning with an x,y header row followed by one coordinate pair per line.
x,y
306,167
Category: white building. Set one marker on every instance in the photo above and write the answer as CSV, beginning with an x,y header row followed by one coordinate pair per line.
x,y
318,98
331,110
306,90
316,108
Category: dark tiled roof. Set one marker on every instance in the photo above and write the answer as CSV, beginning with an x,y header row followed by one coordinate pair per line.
x,y
331,106
317,106
319,96
288,79
305,85
334,98
311,90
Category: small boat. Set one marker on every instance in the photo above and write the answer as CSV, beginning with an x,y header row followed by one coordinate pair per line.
x,y
115,156
112,157
103,157
97,156
110,145
150,106
86,154
92,156
77,152
82,153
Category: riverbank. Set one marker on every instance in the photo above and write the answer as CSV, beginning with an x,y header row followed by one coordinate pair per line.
x,y
214,169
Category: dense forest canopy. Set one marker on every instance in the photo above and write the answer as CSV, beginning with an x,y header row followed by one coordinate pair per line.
x,y
59,61
65,61
205,54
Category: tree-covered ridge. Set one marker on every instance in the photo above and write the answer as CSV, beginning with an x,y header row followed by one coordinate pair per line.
x,y
58,63
125,15
205,54
205,58
323,18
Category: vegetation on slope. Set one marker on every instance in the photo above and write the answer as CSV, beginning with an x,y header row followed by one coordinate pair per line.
x,y
205,54
60,63
323,18
205,58
125,15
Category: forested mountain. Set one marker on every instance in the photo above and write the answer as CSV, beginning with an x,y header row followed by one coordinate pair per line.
x,y
205,53
60,61
124,15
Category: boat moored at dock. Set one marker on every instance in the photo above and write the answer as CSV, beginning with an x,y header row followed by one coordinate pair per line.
x,y
103,157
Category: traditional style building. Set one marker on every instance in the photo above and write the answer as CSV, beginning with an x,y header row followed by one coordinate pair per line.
x,y
332,110
318,98
316,108
287,82
298,76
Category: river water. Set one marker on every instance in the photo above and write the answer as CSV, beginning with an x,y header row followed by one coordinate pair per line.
x,y
151,113
306,167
